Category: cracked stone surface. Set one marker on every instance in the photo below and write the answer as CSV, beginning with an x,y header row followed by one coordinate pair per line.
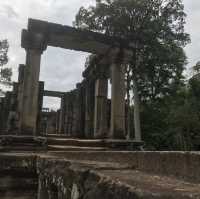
x,y
87,179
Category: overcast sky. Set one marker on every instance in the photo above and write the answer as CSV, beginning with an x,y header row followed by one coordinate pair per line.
x,y
61,69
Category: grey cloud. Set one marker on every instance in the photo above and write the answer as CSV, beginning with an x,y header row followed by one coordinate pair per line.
x,y
192,8
8,11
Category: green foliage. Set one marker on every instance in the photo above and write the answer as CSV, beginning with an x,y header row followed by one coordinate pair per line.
x,y
3,52
156,28
5,72
174,122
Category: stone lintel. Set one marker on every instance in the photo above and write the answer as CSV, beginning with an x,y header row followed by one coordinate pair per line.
x,y
53,93
76,39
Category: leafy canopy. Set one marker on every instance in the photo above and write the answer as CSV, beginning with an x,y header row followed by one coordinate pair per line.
x,y
5,72
156,28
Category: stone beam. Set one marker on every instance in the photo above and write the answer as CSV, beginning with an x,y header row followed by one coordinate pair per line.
x,y
53,93
76,39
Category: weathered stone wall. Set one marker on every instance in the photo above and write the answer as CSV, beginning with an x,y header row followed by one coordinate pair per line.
x,y
18,177
105,177
6,107
48,123
67,179
92,179
184,165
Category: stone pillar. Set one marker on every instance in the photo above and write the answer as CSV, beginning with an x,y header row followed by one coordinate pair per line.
x,y
89,109
82,110
20,91
67,119
34,45
118,101
62,115
87,115
100,116
77,131
40,103
57,121
30,94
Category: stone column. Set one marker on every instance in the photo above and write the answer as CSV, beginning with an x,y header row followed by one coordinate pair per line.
x,y
87,116
20,92
40,103
34,45
77,131
67,120
30,95
100,116
89,112
118,101
62,115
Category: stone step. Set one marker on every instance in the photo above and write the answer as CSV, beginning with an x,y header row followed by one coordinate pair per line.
x,y
18,194
57,136
22,149
22,140
75,142
63,148
108,143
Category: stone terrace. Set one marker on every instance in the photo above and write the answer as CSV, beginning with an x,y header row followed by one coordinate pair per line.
x,y
102,175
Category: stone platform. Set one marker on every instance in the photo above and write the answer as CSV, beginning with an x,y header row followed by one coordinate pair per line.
x,y
64,143
22,143
64,177
55,143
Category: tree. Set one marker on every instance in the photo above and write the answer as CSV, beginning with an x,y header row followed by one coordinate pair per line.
x,y
156,29
5,72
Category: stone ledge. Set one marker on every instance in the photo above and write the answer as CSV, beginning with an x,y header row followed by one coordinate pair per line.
x,y
90,181
21,163
183,165
22,143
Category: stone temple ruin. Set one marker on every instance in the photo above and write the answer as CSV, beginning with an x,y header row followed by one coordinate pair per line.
x,y
84,111
82,151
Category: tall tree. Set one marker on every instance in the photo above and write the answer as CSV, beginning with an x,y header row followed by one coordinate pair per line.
x,y
5,72
156,28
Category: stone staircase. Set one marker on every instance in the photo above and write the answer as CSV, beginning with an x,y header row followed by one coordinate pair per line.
x,y
68,144
63,143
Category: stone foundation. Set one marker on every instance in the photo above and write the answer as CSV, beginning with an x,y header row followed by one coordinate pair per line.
x,y
131,175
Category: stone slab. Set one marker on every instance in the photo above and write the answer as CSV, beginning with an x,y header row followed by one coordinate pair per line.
x,y
97,181
63,36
